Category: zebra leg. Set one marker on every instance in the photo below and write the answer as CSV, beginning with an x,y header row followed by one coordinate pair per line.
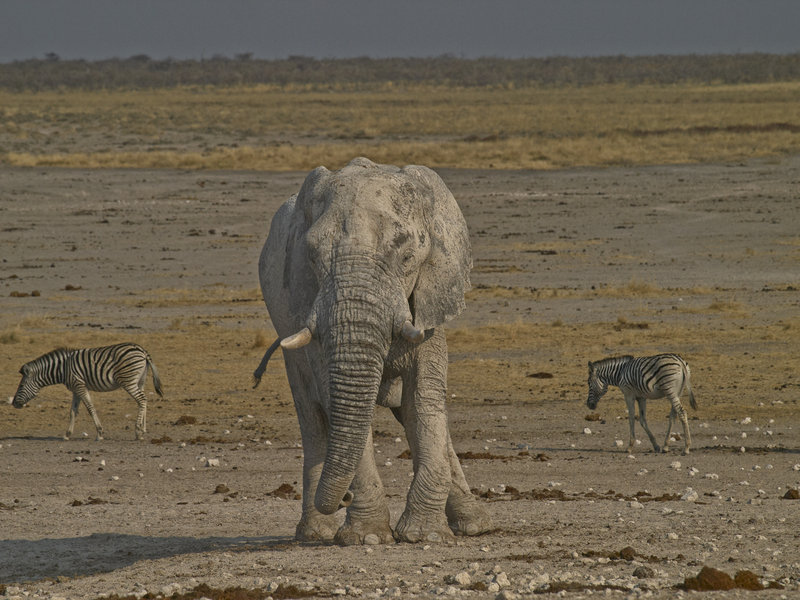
x,y
630,401
141,401
87,400
643,420
670,421
73,412
677,407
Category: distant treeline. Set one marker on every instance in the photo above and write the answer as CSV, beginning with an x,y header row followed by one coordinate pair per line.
x,y
141,71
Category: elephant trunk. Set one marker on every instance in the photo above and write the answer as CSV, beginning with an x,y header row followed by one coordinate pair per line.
x,y
356,337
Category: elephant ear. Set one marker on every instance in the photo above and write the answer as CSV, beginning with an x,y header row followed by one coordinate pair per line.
x,y
443,278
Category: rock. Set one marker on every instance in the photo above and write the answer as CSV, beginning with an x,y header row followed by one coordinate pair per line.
x,y
627,553
709,579
212,462
643,572
675,464
635,504
690,495
791,494
501,579
507,595
747,580
461,578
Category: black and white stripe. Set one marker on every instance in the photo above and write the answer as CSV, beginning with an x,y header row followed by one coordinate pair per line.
x,y
91,369
640,379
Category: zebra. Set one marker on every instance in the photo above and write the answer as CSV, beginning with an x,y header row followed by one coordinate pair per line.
x,y
663,375
91,369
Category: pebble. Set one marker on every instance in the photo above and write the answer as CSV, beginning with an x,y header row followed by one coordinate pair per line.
x,y
587,431
461,578
643,572
676,464
635,504
212,462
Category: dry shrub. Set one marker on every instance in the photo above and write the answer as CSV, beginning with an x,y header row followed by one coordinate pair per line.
x,y
11,336
261,340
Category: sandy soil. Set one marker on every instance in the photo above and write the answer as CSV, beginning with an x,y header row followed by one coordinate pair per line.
x,y
570,266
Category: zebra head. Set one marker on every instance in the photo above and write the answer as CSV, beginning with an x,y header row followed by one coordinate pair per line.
x,y
597,387
28,387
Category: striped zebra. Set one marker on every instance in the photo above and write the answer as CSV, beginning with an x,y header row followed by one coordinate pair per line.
x,y
660,376
91,369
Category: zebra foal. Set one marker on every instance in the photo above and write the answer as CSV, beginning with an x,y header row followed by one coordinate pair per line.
x,y
91,369
640,379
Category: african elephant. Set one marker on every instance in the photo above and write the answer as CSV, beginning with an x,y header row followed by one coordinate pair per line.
x,y
359,271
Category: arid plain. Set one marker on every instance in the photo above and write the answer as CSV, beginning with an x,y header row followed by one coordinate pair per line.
x,y
569,266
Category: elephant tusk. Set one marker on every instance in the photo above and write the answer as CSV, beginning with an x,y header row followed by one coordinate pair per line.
x,y
298,340
411,333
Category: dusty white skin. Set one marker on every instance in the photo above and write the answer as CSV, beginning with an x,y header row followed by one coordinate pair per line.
x,y
358,273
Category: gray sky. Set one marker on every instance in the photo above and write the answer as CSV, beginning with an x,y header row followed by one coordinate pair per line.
x,y
96,29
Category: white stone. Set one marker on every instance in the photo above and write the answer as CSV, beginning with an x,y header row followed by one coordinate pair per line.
x,y
635,504
690,495
212,462
675,464
501,579
587,431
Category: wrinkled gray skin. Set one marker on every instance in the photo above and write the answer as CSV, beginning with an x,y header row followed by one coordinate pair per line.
x,y
356,257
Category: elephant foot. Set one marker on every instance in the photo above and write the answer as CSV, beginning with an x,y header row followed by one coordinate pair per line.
x,y
316,528
356,533
416,528
466,516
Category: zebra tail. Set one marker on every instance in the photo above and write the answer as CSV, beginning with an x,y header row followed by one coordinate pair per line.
x,y
156,380
262,366
687,375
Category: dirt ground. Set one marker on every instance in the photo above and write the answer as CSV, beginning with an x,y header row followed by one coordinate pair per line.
x,y
569,266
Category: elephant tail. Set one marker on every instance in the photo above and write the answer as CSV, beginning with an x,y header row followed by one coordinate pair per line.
x,y
259,372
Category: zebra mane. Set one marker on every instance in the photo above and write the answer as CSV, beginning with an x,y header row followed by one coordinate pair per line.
x,y
57,353
612,360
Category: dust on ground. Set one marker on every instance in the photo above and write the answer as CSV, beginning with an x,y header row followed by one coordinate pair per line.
x,y
569,266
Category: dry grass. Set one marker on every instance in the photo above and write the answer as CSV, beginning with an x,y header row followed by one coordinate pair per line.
x,y
273,128
635,288
166,297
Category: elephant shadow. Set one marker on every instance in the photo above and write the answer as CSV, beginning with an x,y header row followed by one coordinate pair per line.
x,y
50,558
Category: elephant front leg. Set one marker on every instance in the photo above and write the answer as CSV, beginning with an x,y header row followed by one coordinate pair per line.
x,y
367,520
425,420
465,514
313,525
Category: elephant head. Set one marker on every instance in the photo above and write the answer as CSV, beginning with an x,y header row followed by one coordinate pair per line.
x,y
383,255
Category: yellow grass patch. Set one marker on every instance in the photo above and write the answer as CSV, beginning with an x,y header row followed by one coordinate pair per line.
x,y
298,128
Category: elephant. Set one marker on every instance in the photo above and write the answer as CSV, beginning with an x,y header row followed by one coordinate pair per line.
x,y
359,271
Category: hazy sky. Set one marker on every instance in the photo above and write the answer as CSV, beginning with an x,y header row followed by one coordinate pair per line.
x,y
95,29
